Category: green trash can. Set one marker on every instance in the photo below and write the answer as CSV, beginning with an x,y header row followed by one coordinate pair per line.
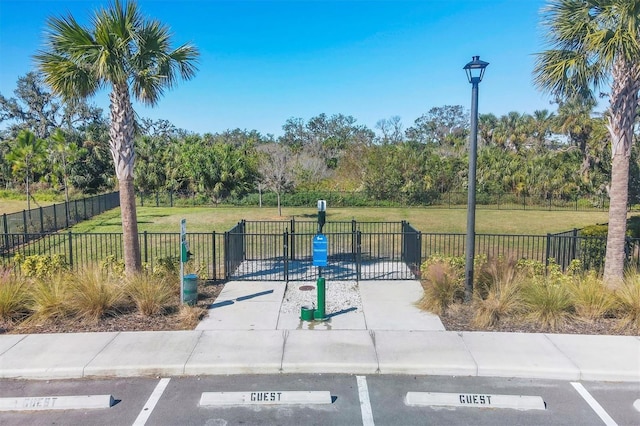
x,y
190,289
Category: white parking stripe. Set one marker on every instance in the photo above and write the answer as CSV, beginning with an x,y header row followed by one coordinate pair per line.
x,y
365,404
594,404
151,403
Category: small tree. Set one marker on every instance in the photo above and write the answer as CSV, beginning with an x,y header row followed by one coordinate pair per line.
x,y
276,169
27,154
63,154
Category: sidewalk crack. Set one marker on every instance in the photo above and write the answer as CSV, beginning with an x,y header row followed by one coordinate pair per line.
x,y
285,336
372,334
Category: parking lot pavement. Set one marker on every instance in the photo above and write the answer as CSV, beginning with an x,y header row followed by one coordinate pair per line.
x,y
364,399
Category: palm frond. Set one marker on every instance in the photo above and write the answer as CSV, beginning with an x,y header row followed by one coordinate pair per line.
x,y
586,37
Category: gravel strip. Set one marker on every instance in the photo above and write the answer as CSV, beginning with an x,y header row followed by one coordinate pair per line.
x,y
340,295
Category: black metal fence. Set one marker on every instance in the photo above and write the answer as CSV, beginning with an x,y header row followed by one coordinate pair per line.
x,y
42,220
283,250
451,200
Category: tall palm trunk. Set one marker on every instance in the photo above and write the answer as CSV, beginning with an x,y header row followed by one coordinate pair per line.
x,y
624,101
121,135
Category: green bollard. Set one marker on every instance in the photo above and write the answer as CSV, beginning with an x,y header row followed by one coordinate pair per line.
x,y
319,313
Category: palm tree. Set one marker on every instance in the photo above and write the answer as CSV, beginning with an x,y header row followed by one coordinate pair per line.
x,y
63,154
594,42
26,155
131,55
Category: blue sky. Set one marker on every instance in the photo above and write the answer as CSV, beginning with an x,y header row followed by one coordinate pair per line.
x,y
263,62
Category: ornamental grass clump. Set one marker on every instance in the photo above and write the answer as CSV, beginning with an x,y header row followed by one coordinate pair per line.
x,y
49,298
627,300
189,316
591,298
442,286
14,297
95,294
498,292
151,295
547,300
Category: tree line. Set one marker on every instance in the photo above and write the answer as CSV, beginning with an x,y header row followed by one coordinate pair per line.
x,y
549,155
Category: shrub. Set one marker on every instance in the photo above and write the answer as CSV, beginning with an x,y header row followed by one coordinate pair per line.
x,y
113,266
442,287
95,294
13,297
531,268
628,303
151,295
42,266
167,267
591,298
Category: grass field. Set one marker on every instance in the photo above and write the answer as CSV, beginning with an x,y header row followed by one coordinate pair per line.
x,y
220,219
12,206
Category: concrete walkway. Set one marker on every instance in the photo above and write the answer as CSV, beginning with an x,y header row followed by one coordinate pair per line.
x,y
247,333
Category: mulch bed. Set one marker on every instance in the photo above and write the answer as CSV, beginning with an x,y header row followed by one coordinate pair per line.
x,y
123,321
459,318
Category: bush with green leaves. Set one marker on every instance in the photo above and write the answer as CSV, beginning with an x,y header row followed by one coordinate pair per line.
x,y
40,265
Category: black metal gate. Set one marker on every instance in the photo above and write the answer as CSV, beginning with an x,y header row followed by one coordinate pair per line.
x,y
283,251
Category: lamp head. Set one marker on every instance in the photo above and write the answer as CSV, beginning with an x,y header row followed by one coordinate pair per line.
x,y
475,69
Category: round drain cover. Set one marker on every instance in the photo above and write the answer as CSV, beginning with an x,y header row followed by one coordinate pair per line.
x,y
307,288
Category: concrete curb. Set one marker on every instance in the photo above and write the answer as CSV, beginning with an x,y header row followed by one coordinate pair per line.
x,y
192,353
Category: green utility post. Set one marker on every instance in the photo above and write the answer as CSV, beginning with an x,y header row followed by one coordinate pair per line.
x,y
321,242
189,283
319,313
183,255
320,250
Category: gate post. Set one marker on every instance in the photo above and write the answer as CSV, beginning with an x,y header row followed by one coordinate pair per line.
x,y
286,256
227,262
354,243
70,249
244,239
5,225
548,254
419,254
403,243
213,245
146,253
293,239
358,256
574,245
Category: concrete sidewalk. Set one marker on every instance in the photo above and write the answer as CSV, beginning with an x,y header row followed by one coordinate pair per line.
x,y
246,333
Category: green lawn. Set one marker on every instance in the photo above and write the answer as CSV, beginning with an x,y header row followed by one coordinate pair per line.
x,y
12,206
220,219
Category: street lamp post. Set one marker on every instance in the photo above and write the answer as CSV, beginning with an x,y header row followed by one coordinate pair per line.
x,y
475,72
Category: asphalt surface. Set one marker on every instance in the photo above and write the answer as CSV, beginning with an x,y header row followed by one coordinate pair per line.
x,y
179,402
